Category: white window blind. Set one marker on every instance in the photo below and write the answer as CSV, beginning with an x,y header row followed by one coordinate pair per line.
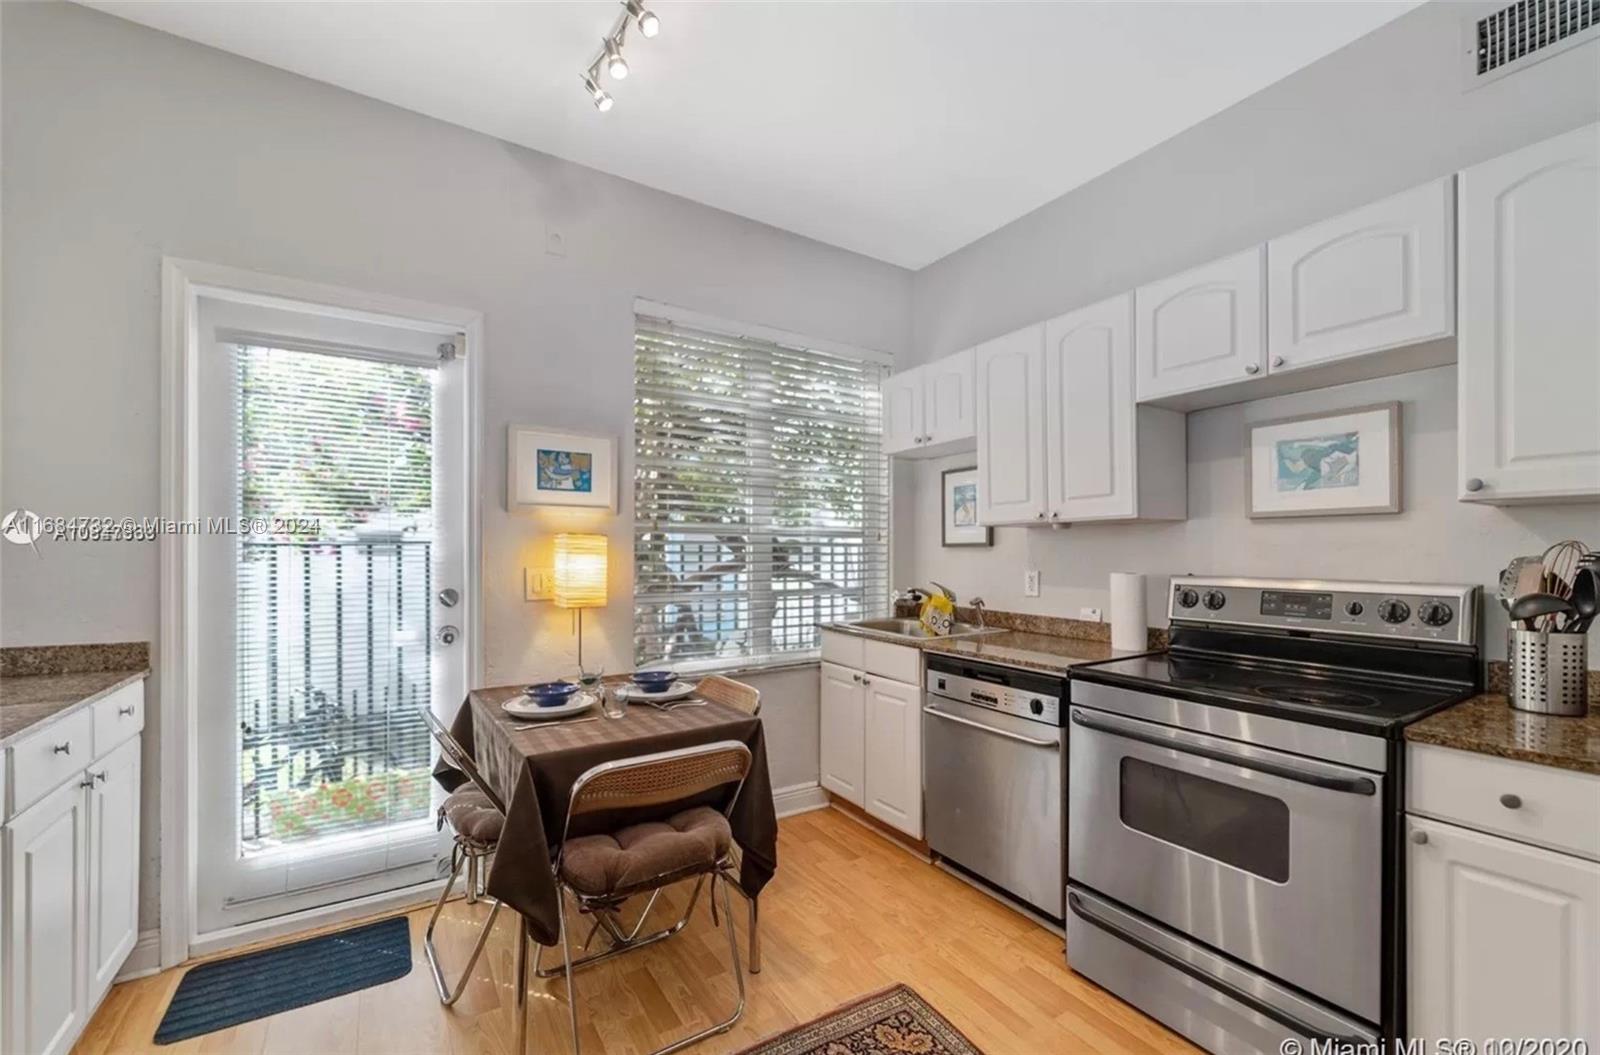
x,y
332,608
760,496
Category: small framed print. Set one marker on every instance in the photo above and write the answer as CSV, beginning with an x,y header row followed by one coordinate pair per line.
x,y
959,502
549,468
1325,464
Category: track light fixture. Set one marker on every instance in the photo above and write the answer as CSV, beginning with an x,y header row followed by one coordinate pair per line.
x,y
610,57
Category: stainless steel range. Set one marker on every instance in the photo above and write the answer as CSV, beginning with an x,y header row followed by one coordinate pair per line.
x,y
1234,805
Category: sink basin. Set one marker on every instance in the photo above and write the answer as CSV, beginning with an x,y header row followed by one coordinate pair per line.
x,y
912,628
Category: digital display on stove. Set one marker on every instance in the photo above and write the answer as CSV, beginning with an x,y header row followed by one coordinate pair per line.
x,y
1297,605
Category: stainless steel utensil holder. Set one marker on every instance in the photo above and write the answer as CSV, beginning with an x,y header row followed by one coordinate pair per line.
x,y
1549,672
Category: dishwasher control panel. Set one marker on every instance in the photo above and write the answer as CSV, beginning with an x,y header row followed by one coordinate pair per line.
x,y
1024,694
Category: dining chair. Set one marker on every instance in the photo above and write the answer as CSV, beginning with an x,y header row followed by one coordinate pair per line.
x,y
602,871
746,698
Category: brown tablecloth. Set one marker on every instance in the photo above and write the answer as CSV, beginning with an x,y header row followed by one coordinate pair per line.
x,y
533,767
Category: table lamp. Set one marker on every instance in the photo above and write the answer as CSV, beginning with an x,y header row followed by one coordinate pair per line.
x,y
580,577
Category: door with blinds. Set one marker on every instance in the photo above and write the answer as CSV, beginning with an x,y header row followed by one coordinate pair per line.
x,y
332,595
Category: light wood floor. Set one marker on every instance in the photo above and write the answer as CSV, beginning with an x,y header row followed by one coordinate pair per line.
x,y
847,914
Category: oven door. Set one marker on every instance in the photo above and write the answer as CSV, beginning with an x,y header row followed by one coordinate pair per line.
x,y
1272,858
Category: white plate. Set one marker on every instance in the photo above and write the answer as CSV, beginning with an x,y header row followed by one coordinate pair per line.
x,y
679,690
525,708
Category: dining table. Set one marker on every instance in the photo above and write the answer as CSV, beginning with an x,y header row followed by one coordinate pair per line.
x,y
532,766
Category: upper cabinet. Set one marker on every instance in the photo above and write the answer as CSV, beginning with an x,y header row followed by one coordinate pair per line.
x,y
1203,328
930,410
1377,278
1529,368
1011,430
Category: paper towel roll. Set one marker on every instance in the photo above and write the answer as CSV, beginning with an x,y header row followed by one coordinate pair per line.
x,y
1128,627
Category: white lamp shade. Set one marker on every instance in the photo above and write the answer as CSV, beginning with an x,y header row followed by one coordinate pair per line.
x,y
580,571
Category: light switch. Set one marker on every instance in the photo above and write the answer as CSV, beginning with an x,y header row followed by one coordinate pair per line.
x,y
535,584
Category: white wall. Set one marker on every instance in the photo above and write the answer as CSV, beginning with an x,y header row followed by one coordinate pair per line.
x,y
123,144
1385,113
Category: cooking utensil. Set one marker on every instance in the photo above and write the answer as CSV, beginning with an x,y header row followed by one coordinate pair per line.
x,y
1561,562
1511,579
1530,609
1585,598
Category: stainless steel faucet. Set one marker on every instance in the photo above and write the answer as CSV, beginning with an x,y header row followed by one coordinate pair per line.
x,y
977,605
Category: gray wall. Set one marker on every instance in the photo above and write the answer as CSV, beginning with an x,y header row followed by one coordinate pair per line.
x,y
1385,113
123,144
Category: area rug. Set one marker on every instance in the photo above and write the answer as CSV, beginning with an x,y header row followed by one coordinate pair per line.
x,y
894,1022
227,992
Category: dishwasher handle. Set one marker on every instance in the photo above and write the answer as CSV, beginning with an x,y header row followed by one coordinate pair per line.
x,y
1006,733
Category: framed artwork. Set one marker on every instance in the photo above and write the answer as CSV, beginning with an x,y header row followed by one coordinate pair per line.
x,y
959,505
1324,464
549,468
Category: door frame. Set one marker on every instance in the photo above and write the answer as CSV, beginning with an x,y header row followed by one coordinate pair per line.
x,y
183,282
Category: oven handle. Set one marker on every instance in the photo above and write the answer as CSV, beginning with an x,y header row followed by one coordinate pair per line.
x,y
1288,771
1248,999
947,716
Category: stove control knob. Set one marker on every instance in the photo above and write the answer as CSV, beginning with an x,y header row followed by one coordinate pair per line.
x,y
1214,599
1393,611
1036,706
1187,598
1435,613
1354,608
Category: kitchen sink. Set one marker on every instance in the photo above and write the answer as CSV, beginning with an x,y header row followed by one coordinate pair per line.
x,y
912,628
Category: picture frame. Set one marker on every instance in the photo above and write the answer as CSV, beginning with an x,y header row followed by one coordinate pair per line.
x,y
1328,463
958,509
551,467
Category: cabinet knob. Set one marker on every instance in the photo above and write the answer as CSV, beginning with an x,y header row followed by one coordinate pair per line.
x,y
866,681
856,678
126,712
1252,368
1054,515
1277,360
1039,515
62,749
1474,484
1419,837
100,777
1510,801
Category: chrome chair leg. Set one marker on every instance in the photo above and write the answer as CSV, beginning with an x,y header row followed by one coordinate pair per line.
x,y
448,996
738,976
521,1001
472,880
621,943
566,957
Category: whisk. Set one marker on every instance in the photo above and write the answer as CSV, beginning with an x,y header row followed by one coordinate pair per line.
x,y
1561,562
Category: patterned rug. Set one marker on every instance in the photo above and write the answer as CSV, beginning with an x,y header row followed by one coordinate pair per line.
x,y
894,1022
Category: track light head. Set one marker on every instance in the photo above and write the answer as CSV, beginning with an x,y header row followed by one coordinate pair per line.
x,y
649,24
616,65
602,98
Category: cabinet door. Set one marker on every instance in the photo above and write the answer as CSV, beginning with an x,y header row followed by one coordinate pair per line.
x,y
44,869
1380,277
902,411
894,754
949,410
1504,938
113,863
1203,328
1011,434
843,731
1089,412
1530,322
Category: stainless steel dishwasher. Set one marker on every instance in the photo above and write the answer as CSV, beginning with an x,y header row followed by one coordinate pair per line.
x,y
994,776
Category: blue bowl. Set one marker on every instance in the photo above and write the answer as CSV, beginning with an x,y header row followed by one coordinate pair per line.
x,y
551,693
655,680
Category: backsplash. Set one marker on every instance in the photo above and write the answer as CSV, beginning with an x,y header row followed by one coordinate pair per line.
x,y
1033,623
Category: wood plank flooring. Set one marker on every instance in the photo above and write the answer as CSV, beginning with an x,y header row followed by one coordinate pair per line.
x,y
847,914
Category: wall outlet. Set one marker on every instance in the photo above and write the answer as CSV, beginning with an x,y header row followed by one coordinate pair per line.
x,y
1091,614
1030,583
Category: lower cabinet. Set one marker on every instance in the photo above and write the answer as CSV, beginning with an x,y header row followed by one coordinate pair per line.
x,y
871,740
113,865
842,743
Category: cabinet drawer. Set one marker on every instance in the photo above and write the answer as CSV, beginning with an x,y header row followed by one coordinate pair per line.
x,y
42,761
118,717
1537,804
900,662
841,648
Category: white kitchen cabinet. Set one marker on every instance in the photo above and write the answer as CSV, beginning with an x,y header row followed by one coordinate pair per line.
x,y
902,411
1105,457
113,865
1380,277
842,740
1504,938
929,410
45,948
893,769
1529,342
1011,428
1204,328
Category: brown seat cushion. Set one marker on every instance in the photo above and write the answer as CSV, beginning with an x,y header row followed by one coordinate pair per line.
x,y
644,855
472,815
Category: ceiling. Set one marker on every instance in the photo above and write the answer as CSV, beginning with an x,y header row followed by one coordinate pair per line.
x,y
899,130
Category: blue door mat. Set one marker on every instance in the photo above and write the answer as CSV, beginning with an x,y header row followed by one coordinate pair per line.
x,y
227,992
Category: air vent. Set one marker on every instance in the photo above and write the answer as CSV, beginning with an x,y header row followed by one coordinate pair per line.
x,y
1507,38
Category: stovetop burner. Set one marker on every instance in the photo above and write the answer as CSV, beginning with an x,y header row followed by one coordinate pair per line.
x,y
1317,696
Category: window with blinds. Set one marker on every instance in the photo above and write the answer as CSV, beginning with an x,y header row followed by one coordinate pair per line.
x,y
335,456
761,501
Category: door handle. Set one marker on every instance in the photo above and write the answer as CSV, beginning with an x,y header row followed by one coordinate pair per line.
x,y
447,635
449,597
1273,767
1007,734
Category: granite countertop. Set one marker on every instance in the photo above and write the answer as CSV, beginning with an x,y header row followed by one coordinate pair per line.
x,y
1486,724
41,685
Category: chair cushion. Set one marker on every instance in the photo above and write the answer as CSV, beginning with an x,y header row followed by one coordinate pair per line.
x,y
472,815
641,856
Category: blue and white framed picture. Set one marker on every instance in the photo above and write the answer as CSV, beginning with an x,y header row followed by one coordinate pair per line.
x,y
1325,464
959,510
549,468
